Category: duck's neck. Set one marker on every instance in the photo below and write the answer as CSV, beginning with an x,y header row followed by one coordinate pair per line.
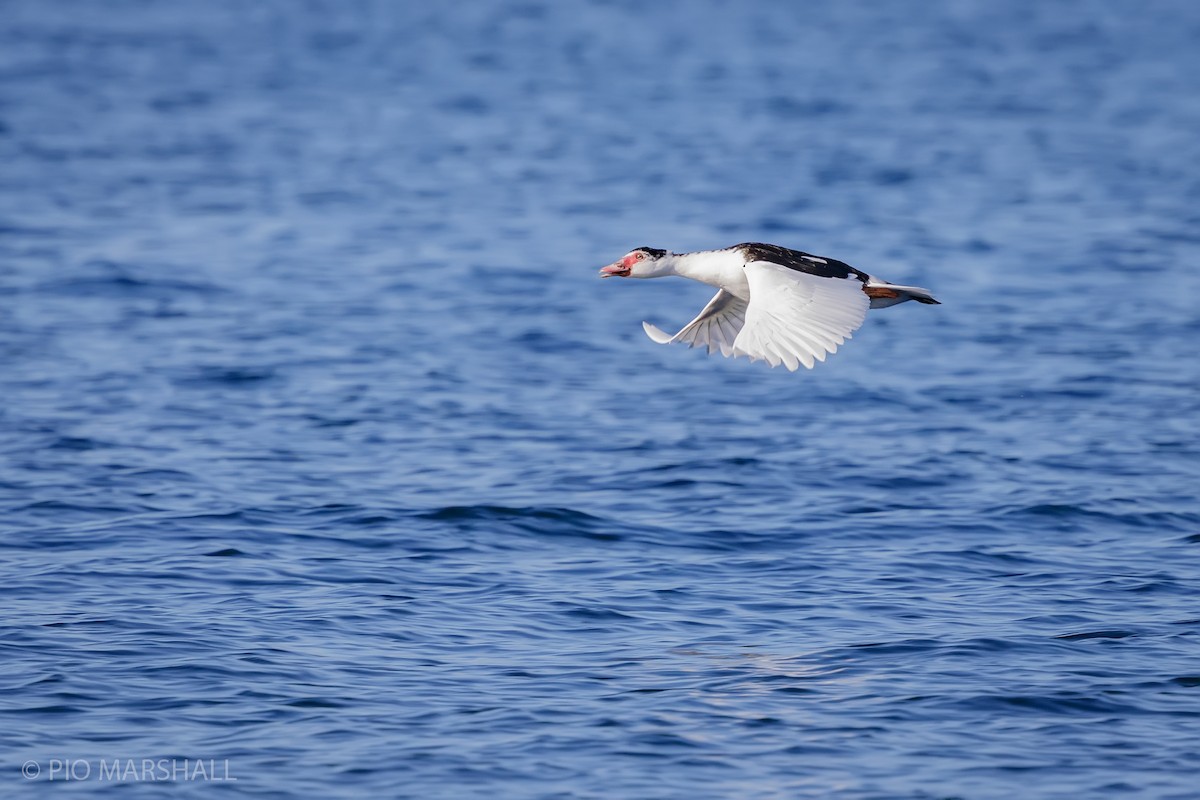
x,y
719,268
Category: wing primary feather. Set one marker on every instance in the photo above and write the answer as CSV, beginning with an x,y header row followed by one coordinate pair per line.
x,y
656,334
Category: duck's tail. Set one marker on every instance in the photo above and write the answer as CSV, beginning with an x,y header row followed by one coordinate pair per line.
x,y
884,294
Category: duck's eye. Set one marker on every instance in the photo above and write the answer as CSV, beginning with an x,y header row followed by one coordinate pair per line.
x,y
641,256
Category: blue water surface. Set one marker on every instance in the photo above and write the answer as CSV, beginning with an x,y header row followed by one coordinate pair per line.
x,y
326,457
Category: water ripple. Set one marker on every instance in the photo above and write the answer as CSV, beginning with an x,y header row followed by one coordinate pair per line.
x,y
324,453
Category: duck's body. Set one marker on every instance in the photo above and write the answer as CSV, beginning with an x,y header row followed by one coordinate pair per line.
x,y
783,306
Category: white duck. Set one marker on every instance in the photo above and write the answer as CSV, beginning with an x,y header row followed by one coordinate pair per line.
x,y
774,304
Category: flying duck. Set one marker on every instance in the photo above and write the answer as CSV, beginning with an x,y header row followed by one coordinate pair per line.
x,y
772,304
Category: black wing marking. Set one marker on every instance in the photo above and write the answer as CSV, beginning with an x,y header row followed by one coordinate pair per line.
x,y
799,261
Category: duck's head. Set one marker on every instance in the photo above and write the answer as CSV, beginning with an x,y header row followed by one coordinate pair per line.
x,y
644,262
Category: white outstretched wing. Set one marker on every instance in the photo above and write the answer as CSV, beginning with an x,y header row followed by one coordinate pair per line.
x,y
794,317
715,327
